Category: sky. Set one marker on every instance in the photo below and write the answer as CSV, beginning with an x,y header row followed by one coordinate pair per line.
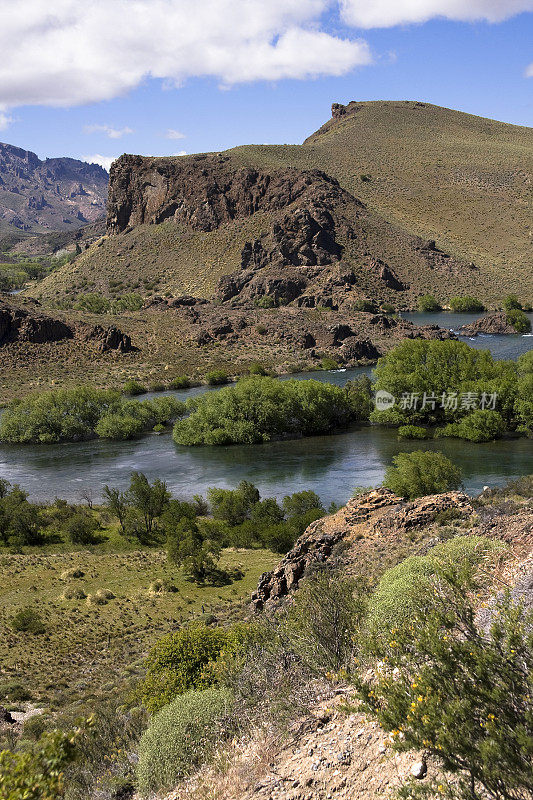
x,y
96,79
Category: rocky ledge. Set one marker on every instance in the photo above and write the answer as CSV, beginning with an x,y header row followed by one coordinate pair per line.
x,y
378,515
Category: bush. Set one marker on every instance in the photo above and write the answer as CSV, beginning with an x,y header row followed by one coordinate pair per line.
x,y
181,737
81,528
323,620
180,382
261,409
441,381
217,377
459,693
511,302
257,369
181,661
402,591
37,774
428,303
421,473
27,620
157,387
466,304
132,388
519,321
412,432
370,306
328,363
479,426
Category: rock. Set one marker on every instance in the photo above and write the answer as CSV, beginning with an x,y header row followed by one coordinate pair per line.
x,y
107,339
24,323
5,717
495,324
419,769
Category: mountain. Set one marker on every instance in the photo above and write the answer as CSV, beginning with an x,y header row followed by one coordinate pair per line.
x,y
388,200
56,194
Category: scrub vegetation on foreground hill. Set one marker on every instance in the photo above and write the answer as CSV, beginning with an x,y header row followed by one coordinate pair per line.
x,y
376,636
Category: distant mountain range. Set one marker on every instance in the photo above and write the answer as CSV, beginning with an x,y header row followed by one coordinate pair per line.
x,y
57,194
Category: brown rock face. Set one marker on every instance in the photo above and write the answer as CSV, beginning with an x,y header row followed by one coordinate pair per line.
x,y
377,515
492,323
19,324
202,191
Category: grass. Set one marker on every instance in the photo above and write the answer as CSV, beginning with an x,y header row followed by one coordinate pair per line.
x,y
88,643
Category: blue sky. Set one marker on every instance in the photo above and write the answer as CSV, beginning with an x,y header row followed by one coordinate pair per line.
x,y
181,76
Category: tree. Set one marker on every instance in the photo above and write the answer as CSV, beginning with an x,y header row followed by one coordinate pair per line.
x,y
117,503
512,302
20,521
233,505
465,304
150,500
460,693
518,320
81,528
420,473
299,503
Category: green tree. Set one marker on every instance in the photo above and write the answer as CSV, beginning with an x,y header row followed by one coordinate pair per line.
x,y
39,773
421,473
511,302
116,501
299,503
519,321
148,499
466,303
233,505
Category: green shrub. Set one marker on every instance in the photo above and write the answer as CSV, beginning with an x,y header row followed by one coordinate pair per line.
x,y
460,694
412,432
181,661
323,620
466,304
428,303
265,302
37,774
257,369
519,321
217,377
328,363
359,394
81,528
132,388
261,409
479,426
181,737
28,620
402,590
157,387
119,426
421,473
370,306
387,308
179,382
511,302
433,380
94,303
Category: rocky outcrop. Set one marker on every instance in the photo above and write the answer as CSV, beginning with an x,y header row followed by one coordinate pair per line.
x,y
375,514
29,325
25,323
495,324
203,191
106,339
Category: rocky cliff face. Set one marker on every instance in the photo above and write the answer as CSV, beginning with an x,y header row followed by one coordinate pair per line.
x,y
318,245
54,194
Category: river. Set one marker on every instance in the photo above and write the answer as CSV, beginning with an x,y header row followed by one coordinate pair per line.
x,y
330,465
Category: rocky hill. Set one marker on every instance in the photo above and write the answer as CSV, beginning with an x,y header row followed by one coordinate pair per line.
x,y
387,200
52,195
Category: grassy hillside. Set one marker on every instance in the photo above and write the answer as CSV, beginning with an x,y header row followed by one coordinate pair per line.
x,y
461,180
464,181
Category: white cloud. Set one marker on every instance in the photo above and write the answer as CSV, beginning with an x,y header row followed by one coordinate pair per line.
x,y
181,153
173,134
386,13
5,120
71,53
529,71
112,133
103,161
